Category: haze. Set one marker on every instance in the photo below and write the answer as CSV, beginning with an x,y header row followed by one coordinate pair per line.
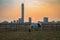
x,y
36,9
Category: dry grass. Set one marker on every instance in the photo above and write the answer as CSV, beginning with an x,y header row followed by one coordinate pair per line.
x,y
21,33
45,35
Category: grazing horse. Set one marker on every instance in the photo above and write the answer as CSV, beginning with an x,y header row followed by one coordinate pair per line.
x,y
34,26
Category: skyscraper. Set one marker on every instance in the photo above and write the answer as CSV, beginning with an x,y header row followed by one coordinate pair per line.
x,y
22,13
45,19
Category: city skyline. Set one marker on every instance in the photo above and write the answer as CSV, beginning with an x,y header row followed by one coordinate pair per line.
x,y
34,9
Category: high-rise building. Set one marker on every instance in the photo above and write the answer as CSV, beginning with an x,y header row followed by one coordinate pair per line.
x,y
22,13
20,21
45,19
30,20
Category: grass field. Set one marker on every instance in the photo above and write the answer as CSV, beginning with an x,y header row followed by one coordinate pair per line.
x,y
44,35
22,33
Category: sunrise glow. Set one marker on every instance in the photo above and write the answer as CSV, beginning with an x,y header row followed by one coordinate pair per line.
x,y
36,9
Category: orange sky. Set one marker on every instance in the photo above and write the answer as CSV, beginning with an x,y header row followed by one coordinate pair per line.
x,y
35,9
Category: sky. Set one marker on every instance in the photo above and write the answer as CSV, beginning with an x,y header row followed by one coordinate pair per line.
x,y
36,9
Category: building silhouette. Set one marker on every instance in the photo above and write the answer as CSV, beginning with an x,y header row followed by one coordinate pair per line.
x,y
22,5
20,21
45,19
30,20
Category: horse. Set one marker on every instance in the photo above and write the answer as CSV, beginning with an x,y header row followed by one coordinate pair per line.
x,y
34,26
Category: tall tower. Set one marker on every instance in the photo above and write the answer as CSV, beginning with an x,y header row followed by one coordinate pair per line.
x,y
22,13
